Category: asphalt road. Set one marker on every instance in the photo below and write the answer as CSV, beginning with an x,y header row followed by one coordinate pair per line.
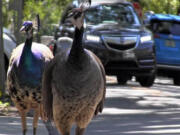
x,y
129,110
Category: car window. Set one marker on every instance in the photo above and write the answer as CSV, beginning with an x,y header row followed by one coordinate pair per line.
x,y
175,29
167,28
112,13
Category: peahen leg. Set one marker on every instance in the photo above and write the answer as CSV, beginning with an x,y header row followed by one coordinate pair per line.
x,y
23,121
35,120
51,128
80,131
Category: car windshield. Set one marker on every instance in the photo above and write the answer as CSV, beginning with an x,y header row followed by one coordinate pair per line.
x,y
112,13
166,28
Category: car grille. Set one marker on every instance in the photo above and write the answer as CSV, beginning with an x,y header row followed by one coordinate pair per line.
x,y
120,43
121,47
121,64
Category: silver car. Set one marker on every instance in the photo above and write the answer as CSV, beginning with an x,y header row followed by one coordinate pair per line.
x,y
9,43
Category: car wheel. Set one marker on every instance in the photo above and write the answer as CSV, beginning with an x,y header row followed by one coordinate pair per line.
x,y
146,81
176,80
122,79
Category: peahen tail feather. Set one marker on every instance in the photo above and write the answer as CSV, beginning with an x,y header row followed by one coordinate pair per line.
x,y
47,96
101,104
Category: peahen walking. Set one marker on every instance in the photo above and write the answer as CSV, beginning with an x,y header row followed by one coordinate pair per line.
x,y
24,77
73,84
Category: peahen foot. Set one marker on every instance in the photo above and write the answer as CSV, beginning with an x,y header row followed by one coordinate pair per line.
x,y
51,128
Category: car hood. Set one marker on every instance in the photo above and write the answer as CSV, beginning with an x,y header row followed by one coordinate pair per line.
x,y
115,29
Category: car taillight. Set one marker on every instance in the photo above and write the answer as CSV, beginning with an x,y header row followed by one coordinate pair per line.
x,y
51,47
156,36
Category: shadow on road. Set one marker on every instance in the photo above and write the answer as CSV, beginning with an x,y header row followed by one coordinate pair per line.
x,y
128,110
124,116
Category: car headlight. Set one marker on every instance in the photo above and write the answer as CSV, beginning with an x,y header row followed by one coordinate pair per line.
x,y
146,38
93,38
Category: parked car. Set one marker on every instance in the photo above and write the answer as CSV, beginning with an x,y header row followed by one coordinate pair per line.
x,y
116,35
9,43
166,29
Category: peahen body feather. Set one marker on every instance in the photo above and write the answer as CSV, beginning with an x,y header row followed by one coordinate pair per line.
x,y
73,86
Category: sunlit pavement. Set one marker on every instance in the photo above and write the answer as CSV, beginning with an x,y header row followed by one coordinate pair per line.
x,y
129,110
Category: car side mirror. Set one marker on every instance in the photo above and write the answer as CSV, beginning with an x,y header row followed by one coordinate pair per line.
x,y
146,23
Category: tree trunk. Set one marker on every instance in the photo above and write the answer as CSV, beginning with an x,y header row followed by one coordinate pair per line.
x,y
168,6
2,70
18,16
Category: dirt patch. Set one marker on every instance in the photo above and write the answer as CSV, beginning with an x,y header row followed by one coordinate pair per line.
x,y
8,111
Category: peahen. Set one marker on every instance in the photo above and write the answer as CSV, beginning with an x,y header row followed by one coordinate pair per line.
x,y
24,77
73,85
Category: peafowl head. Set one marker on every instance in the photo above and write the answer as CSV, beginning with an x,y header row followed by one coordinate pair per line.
x,y
27,27
76,16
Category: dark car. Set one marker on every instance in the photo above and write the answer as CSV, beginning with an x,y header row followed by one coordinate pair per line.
x,y
115,34
166,29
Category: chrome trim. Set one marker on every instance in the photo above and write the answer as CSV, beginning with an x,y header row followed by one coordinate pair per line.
x,y
168,67
144,61
118,36
120,40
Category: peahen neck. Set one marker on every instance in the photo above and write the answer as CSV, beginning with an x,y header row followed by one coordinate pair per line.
x,y
77,52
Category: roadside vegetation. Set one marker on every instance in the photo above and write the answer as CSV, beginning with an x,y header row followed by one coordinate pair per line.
x,y
50,11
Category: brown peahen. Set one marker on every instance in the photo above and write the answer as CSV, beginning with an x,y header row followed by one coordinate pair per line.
x,y
73,84
24,77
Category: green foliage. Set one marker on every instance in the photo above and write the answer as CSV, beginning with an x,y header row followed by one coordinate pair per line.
x,y
49,11
4,108
4,105
7,14
161,6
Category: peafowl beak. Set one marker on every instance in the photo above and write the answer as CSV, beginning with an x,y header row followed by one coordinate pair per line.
x,y
22,28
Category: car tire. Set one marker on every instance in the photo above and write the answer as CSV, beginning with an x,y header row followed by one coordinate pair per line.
x,y
176,80
122,79
146,81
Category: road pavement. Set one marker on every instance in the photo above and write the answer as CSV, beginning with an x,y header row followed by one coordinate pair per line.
x,y
129,110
